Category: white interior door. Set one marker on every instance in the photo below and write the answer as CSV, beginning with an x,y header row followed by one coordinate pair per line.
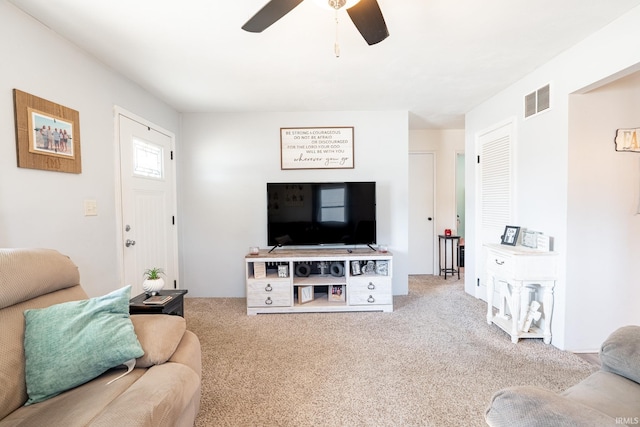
x,y
149,236
421,213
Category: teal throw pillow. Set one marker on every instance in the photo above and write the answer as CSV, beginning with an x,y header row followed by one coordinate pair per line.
x,y
71,343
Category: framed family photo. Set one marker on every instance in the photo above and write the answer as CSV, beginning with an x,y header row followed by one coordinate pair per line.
x,y
47,134
50,135
336,293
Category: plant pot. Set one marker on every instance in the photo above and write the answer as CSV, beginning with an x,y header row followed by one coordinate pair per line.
x,y
153,286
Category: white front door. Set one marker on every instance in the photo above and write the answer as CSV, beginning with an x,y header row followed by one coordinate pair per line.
x,y
421,213
147,176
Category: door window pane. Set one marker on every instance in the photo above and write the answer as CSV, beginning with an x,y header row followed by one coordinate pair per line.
x,y
147,159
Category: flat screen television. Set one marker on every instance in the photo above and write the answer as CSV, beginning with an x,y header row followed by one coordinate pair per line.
x,y
321,213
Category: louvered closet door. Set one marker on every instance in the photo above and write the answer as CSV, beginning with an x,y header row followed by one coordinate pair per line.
x,y
496,195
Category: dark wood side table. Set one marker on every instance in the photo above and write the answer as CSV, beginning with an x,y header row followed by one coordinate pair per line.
x,y
454,241
174,306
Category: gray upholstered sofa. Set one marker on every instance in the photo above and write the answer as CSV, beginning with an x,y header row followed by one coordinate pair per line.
x,y
162,387
609,397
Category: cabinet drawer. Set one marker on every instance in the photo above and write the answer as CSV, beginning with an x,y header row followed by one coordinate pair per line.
x,y
268,293
499,264
370,291
522,265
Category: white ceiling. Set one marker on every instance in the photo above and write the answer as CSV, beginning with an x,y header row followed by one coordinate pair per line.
x,y
442,58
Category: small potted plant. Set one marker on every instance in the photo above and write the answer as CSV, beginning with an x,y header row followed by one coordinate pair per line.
x,y
153,283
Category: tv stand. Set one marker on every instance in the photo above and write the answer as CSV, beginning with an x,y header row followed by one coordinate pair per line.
x,y
318,280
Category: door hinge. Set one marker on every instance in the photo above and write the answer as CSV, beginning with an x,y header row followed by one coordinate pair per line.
x,y
175,284
173,220
478,282
478,159
171,154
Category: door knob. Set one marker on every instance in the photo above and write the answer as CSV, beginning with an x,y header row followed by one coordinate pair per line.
x,y
129,242
429,218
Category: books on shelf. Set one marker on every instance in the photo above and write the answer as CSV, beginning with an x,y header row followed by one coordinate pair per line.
x,y
157,299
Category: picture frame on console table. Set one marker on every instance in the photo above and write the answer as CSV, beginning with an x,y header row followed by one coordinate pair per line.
x,y
316,148
510,235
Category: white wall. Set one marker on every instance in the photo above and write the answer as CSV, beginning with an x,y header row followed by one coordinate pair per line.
x,y
542,158
45,209
225,162
604,201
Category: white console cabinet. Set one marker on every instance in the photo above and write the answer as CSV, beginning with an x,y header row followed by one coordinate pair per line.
x,y
524,279
318,280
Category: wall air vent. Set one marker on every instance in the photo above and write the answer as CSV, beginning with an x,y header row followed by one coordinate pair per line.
x,y
538,101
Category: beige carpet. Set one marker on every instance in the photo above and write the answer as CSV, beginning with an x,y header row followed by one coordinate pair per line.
x,y
434,361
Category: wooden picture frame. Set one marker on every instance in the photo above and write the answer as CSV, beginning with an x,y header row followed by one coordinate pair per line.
x,y
510,235
305,294
259,270
47,134
316,148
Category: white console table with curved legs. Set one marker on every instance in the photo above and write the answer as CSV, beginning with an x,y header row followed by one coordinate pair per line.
x,y
522,276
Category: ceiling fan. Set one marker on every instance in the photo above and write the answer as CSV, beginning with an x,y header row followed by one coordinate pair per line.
x,y
365,14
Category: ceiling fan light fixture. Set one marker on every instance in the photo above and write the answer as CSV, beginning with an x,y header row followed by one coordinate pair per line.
x,y
365,15
336,4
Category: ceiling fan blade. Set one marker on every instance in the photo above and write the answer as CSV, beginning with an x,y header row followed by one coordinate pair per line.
x,y
368,19
269,14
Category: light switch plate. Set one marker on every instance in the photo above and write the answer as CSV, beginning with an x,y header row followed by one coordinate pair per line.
x,y
90,208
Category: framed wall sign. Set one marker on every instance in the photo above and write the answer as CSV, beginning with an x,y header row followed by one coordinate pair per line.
x,y
316,148
628,140
47,134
